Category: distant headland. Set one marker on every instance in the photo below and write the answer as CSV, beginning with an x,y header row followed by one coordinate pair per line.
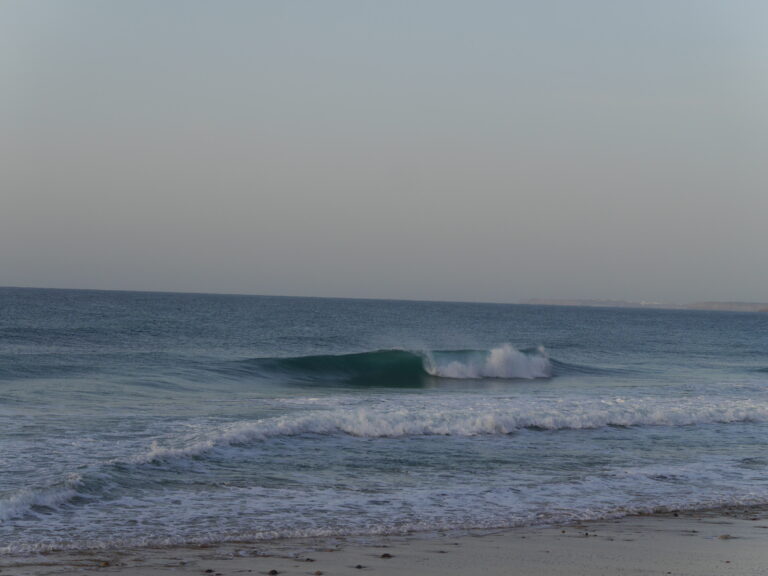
x,y
726,306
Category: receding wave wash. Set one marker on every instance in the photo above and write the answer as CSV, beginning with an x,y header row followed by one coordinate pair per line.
x,y
165,419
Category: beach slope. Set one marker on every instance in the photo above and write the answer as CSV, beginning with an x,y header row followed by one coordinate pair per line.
x,y
702,544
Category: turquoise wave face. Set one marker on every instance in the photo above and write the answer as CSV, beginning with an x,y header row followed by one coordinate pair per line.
x,y
393,368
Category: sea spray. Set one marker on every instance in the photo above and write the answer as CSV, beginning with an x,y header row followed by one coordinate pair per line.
x,y
504,362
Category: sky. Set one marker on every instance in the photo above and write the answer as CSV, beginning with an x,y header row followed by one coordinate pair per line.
x,y
417,149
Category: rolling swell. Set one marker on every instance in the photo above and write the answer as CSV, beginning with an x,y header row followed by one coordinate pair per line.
x,y
400,368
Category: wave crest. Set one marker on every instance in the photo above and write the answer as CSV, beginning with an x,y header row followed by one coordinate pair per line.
x,y
466,416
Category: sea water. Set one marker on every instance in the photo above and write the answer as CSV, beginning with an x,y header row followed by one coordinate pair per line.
x,y
132,418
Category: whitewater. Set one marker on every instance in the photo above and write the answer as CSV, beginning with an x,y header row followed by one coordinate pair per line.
x,y
141,419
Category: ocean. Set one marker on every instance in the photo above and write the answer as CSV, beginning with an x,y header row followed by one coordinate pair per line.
x,y
159,419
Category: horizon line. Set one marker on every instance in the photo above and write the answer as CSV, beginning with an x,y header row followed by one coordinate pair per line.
x,y
533,301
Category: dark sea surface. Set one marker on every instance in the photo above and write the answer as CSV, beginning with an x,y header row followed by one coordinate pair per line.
x,y
131,418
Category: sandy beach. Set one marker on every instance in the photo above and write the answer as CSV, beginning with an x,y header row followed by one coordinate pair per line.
x,y
714,542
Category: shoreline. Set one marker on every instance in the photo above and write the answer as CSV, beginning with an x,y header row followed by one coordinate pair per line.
x,y
727,540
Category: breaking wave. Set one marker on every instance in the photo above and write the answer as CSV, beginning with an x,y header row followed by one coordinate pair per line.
x,y
29,500
465,416
502,362
402,368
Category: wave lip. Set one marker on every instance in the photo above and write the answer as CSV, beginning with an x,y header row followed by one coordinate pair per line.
x,y
401,368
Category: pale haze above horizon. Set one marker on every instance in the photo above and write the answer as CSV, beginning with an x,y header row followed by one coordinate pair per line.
x,y
482,151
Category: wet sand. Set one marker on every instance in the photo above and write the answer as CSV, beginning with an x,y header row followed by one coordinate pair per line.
x,y
716,542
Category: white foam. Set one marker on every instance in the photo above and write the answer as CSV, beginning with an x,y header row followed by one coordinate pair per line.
x,y
24,500
467,415
488,500
502,362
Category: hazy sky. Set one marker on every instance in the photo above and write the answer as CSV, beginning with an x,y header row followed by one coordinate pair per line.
x,y
475,150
